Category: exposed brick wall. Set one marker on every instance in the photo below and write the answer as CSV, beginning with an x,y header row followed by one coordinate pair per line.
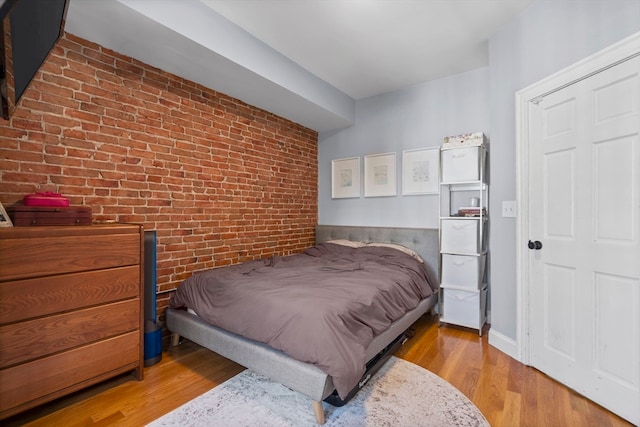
x,y
221,181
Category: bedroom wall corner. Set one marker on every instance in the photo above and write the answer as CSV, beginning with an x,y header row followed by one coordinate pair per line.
x,y
419,116
219,180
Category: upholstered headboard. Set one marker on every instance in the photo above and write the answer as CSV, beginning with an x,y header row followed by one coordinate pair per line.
x,y
422,240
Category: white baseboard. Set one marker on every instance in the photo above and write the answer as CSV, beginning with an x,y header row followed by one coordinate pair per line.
x,y
504,344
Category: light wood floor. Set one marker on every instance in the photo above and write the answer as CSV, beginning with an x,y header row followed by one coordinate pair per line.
x,y
508,393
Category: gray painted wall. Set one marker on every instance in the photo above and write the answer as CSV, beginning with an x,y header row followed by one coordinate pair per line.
x,y
546,37
416,117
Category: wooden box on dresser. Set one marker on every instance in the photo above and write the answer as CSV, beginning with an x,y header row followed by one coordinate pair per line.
x,y
70,310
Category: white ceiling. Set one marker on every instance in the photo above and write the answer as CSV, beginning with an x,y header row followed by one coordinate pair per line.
x,y
307,60
369,47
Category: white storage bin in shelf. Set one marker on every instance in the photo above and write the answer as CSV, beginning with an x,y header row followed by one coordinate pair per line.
x,y
464,308
461,164
463,271
460,235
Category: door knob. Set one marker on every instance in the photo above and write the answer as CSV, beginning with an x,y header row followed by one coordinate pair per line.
x,y
537,245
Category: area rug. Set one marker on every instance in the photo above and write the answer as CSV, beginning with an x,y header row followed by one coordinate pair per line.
x,y
401,394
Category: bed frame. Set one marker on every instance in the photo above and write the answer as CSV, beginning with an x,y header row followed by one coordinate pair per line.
x,y
299,376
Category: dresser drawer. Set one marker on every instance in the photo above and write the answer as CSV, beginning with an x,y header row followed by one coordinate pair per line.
x,y
461,164
25,341
464,271
461,236
464,308
25,253
26,299
45,379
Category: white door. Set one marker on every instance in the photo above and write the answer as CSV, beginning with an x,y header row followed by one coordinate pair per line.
x,y
584,209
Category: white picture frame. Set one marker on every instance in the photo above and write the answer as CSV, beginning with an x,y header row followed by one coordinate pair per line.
x,y
421,171
345,178
5,220
380,175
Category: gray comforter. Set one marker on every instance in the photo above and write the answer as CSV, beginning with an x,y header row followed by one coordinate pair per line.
x,y
323,306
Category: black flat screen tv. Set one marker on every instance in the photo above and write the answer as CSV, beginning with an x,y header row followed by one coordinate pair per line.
x,y
30,29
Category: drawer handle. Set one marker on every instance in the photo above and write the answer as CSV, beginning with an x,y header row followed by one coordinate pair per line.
x,y
461,226
464,297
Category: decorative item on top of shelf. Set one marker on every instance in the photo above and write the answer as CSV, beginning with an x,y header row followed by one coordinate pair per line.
x,y
46,198
48,208
467,140
345,178
380,175
421,171
5,221
27,216
471,211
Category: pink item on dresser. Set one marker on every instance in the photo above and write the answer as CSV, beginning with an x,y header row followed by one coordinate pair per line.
x,y
46,198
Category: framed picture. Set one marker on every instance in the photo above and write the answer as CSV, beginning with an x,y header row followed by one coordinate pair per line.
x,y
345,178
380,175
421,171
5,221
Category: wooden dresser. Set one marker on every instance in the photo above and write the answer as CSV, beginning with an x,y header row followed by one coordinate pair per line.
x,y
70,310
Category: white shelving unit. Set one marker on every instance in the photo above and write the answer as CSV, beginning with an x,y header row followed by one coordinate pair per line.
x,y
464,197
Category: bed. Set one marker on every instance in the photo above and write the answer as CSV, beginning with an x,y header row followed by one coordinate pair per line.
x,y
308,378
